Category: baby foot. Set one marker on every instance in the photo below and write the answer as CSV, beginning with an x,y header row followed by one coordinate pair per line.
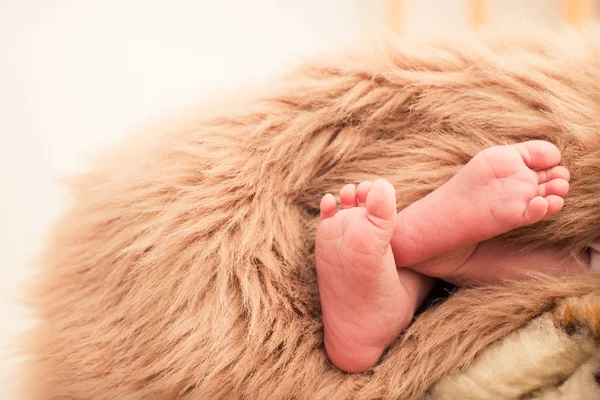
x,y
365,306
500,189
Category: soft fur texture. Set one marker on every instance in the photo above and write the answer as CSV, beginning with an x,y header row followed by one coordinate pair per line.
x,y
184,267
556,356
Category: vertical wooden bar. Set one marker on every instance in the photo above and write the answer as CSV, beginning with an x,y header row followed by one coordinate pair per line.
x,y
395,15
577,12
478,10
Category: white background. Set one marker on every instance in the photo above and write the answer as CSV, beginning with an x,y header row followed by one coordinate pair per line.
x,y
77,75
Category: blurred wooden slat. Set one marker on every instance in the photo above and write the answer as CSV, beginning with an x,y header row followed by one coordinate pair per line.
x,y
395,15
577,12
478,10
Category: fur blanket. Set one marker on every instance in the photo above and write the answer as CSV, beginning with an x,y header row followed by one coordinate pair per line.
x,y
184,267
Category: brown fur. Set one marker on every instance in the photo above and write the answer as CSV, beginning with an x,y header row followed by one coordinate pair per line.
x,y
184,267
577,314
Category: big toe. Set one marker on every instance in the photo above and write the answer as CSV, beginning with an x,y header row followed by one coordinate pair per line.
x,y
381,204
539,154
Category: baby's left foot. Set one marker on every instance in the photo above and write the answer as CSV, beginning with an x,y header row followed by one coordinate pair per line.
x,y
365,305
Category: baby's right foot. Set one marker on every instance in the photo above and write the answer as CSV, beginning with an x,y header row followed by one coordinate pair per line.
x,y
500,189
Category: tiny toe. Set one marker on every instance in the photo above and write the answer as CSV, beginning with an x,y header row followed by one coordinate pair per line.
x,y
362,191
328,206
536,210
348,196
558,187
555,204
558,172
539,154
381,202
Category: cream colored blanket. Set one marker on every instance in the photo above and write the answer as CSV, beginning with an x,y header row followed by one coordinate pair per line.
x,y
546,359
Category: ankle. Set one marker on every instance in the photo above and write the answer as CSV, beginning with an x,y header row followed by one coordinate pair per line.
x,y
448,266
462,260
